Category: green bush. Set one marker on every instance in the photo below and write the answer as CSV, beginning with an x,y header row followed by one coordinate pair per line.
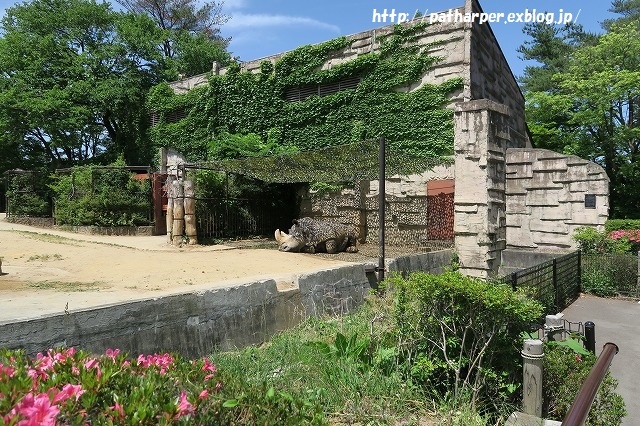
x,y
621,224
564,373
608,275
72,387
592,241
28,194
101,197
462,335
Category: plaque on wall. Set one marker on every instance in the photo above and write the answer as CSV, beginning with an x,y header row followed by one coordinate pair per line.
x,y
589,201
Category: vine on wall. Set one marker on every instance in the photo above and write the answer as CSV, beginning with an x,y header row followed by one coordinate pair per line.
x,y
415,122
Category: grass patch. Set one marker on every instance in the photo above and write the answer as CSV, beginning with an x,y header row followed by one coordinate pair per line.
x,y
75,286
353,379
44,257
49,238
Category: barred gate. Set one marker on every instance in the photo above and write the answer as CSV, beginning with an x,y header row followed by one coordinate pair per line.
x,y
234,218
555,283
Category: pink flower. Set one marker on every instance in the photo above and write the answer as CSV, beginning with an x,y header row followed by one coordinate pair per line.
x,y
578,358
113,353
38,411
91,363
6,371
67,392
118,409
75,370
184,406
208,366
162,361
204,394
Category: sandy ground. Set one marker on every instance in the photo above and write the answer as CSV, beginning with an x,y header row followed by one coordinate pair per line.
x,y
46,271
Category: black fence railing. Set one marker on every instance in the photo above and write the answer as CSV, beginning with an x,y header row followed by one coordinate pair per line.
x,y
611,275
555,283
235,218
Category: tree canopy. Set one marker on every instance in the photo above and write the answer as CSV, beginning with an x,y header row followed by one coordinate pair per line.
x,y
584,99
75,75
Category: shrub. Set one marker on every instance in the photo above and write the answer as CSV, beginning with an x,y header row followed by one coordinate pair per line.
x,y
592,241
101,197
73,387
564,373
28,195
461,334
621,224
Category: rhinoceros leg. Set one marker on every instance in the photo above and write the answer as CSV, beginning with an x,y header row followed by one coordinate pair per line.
x,y
332,246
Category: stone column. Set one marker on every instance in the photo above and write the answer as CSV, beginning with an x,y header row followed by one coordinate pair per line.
x,y
532,356
481,139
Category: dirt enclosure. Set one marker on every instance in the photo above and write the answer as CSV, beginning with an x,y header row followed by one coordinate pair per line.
x,y
48,271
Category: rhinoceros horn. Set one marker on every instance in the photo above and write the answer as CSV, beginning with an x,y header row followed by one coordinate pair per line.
x,y
280,236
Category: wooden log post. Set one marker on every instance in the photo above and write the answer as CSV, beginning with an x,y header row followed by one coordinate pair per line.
x,y
190,212
532,356
178,213
169,218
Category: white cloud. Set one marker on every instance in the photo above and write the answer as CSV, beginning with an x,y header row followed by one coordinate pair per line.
x,y
234,4
242,20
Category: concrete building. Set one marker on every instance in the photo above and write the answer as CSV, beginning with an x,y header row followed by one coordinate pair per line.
x,y
508,195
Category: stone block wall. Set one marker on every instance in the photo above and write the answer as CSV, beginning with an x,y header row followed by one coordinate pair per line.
x,y
549,196
482,136
406,209
491,77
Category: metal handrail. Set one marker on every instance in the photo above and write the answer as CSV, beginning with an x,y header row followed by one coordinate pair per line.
x,y
577,414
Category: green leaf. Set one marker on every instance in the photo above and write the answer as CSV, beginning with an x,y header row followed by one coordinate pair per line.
x,y
230,403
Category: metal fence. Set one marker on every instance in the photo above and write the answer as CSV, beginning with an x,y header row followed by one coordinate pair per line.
x,y
234,218
555,283
611,275
27,194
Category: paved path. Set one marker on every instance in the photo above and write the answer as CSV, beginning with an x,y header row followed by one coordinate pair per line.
x,y
616,321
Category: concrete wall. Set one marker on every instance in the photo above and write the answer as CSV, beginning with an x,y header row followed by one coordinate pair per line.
x,y
407,207
198,323
546,198
482,136
491,77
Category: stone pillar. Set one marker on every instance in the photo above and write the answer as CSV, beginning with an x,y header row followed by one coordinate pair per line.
x,y
532,356
481,139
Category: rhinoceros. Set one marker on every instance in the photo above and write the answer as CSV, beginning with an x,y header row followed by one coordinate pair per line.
x,y
310,235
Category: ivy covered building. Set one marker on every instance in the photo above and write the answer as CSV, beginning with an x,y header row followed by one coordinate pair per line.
x,y
431,90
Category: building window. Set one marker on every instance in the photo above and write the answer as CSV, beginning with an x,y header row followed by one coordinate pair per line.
x,y
299,94
169,117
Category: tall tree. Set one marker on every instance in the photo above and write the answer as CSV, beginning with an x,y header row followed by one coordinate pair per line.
x,y
604,83
589,106
548,114
550,46
629,11
74,76
191,33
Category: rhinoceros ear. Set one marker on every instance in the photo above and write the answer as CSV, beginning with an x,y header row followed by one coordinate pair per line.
x,y
295,222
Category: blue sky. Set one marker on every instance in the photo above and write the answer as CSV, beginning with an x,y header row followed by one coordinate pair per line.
x,y
260,28
263,27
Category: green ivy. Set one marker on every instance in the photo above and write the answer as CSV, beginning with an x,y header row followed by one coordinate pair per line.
x,y
415,122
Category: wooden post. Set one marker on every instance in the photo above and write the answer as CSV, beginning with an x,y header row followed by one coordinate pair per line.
x,y
169,218
190,212
532,377
178,212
